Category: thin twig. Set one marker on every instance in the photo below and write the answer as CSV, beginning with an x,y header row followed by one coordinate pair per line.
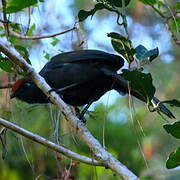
x,y
39,139
38,36
158,11
29,19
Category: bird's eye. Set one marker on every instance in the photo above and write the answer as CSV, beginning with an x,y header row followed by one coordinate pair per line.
x,y
27,84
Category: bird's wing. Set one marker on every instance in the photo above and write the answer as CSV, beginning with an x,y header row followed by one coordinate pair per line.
x,y
62,75
86,56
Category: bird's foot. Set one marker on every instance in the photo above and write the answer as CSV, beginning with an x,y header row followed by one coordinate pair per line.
x,y
80,115
82,119
53,89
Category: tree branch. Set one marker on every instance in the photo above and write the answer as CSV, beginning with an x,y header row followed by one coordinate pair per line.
x,y
40,36
78,127
37,36
36,138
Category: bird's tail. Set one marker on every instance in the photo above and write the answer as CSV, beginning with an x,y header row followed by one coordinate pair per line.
x,y
121,85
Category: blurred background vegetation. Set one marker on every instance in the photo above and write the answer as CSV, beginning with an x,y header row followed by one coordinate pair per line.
x,y
135,136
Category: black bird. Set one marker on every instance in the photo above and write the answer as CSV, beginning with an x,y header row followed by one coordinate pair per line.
x,y
79,77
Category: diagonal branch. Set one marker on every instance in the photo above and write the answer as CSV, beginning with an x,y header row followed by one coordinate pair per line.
x,y
47,143
79,128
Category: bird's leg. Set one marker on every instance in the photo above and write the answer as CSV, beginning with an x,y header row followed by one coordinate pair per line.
x,y
77,112
81,115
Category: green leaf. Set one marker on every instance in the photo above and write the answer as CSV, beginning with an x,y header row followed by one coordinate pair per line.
x,y
55,41
6,64
140,82
173,129
31,29
175,25
117,36
160,4
149,2
15,27
17,5
24,52
173,159
122,45
47,55
173,102
142,53
82,15
2,33
118,3
178,5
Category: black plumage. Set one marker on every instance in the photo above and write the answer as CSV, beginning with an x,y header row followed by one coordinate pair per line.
x,y
79,77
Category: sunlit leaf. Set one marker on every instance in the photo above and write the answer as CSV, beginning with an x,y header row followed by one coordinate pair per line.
x,y
173,129
123,39
173,159
122,45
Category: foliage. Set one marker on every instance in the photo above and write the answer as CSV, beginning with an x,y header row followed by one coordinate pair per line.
x,y
141,82
173,102
82,15
173,159
142,53
6,64
173,129
17,5
120,138
122,45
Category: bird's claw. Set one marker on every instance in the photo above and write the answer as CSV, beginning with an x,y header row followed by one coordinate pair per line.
x,y
82,119
52,89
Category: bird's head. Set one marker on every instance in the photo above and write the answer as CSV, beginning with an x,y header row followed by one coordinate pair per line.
x,y
19,87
